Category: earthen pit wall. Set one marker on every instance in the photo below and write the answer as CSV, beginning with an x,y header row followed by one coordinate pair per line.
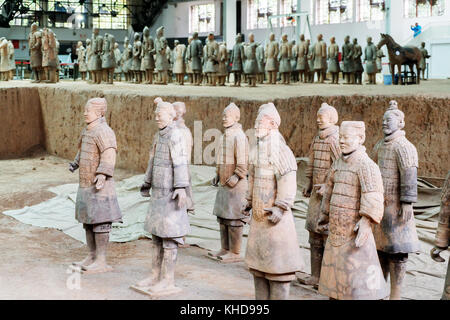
x,y
21,126
131,116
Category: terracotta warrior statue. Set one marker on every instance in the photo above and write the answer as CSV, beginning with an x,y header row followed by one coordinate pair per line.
x,y
204,62
272,50
293,60
272,254
82,66
167,176
11,59
231,178
301,53
284,59
380,56
96,206
237,60
126,55
324,151
187,62
161,63
333,64
179,57
352,202
310,58
358,68
49,55
370,57
212,63
261,61
117,60
223,64
194,55
4,59
136,64
35,47
108,58
423,61
396,235
88,59
250,63
443,234
320,52
347,56
95,63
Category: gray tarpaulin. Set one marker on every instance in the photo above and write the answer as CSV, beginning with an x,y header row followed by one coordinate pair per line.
x,y
425,278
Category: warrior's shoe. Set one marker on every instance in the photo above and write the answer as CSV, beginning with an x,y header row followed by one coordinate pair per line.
x,y
230,257
96,267
85,262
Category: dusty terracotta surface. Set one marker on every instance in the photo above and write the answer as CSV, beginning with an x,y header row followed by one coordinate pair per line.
x,y
130,114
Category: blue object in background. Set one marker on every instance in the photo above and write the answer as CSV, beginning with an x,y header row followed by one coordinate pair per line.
x,y
387,79
417,30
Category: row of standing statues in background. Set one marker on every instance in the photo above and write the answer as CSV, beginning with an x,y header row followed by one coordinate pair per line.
x,y
360,216
44,61
152,61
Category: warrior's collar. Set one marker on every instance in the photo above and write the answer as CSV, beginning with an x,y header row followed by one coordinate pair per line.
x,y
235,126
167,129
394,136
95,123
327,132
180,123
353,155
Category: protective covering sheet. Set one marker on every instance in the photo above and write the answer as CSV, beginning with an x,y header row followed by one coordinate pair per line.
x,y
424,280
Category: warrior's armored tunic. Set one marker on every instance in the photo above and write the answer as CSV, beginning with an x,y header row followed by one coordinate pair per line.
x,y
137,50
194,55
301,55
260,59
237,57
223,61
108,57
284,57
320,54
179,55
333,62
398,162
357,63
232,160
35,43
443,230
49,56
354,188
148,50
272,50
347,57
189,142
95,63
250,65
161,63
81,52
324,151
272,249
370,56
211,54
117,58
95,157
167,170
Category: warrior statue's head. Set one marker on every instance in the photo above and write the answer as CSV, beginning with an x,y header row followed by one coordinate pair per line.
x,y
355,41
302,37
284,37
230,115
319,37
195,35
251,37
94,109
393,119
347,39
88,42
333,40
369,40
95,31
268,119
164,114
272,36
175,43
126,41
160,32
34,27
180,110
190,40
79,44
238,38
136,37
327,116
146,31
352,135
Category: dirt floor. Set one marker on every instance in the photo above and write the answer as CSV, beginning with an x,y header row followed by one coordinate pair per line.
x,y
34,261
432,88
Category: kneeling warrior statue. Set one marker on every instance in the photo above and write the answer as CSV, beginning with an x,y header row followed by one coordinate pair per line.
x,y
352,202
273,255
167,176
96,205
231,177
324,151
396,235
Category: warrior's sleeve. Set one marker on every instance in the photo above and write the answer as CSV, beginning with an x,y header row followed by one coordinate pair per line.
x,y
241,155
251,172
329,185
408,162
324,50
149,171
286,169
372,198
443,229
309,168
107,145
178,153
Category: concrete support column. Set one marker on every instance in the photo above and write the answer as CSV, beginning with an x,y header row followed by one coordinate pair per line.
x,y
229,25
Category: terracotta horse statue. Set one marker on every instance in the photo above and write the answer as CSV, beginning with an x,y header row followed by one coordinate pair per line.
x,y
399,56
